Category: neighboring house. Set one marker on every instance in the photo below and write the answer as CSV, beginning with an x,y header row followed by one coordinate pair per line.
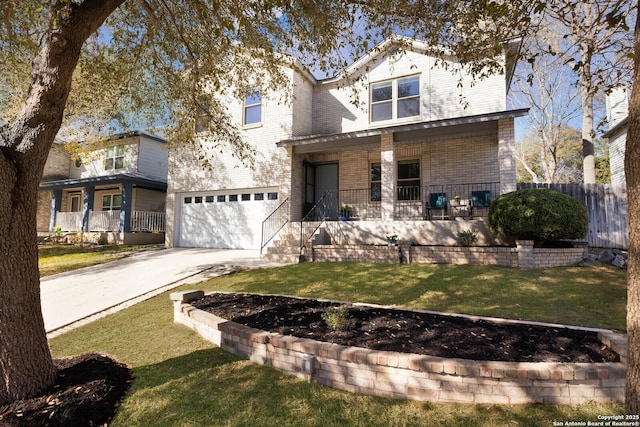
x,y
416,140
116,192
617,115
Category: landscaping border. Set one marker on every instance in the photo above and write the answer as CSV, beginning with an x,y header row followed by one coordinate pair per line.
x,y
412,376
523,255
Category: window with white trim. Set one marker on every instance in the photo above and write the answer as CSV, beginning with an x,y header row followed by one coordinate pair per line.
x,y
112,202
395,99
114,157
252,114
409,180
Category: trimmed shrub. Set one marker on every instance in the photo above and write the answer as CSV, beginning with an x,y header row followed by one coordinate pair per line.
x,y
538,214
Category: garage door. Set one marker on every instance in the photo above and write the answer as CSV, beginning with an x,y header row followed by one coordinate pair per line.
x,y
224,219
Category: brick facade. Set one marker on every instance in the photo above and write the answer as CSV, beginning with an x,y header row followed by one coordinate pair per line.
x,y
461,136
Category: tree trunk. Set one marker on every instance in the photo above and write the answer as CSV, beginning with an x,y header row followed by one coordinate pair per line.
x,y
25,361
26,367
586,97
632,172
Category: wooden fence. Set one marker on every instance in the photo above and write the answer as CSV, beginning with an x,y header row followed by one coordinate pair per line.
x,y
607,209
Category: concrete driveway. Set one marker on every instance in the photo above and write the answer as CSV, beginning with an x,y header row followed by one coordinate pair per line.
x,y
76,297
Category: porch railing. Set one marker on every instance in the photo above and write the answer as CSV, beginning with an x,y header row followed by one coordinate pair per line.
x,y
274,223
412,202
362,202
69,221
314,219
104,221
148,221
110,221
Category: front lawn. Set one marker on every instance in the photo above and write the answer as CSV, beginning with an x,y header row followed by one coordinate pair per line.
x,y
183,380
58,258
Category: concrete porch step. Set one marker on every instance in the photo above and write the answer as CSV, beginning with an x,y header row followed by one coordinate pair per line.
x,y
285,258
287,242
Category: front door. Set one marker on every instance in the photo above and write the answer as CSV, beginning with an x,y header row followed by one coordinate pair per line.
x,y
327,188
321,184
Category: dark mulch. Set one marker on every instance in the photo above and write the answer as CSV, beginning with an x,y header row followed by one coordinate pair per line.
x,y
87,392
411,332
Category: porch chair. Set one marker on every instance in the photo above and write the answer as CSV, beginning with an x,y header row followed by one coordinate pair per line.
x,y
480,199
437,206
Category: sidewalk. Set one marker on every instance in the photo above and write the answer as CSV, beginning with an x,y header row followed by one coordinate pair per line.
x,y
87,293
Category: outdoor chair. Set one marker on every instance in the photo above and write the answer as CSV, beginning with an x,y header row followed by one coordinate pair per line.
x,y
437,206
480,199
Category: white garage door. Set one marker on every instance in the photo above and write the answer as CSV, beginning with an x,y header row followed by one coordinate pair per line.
x,y
224,219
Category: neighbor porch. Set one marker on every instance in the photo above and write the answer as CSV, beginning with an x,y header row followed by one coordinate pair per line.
x,y
112,207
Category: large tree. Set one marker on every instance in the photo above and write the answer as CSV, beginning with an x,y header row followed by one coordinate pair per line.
x,y
553,157
546,86
632,172
157,58
593,39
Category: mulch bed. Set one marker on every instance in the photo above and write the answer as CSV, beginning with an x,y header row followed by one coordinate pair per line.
x,y
87,392
409,331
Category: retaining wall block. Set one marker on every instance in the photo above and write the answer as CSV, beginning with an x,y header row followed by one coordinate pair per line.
x,y
416,377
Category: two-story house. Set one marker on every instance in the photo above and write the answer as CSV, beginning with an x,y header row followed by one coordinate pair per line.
x,y
399,141
113,193
617,117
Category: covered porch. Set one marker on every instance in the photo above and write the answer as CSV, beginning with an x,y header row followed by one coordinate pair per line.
x,y
114,206
439,170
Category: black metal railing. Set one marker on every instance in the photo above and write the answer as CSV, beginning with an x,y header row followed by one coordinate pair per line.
x,y
325,207
438,201
423,202
274,223
364,203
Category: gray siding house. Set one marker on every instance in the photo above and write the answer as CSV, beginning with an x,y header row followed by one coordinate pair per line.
x,y
116,192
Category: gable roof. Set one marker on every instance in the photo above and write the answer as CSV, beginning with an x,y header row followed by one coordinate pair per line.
x,y
619,127
511,53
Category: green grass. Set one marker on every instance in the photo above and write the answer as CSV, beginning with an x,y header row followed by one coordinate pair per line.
x,y
183,380
593,296
54,259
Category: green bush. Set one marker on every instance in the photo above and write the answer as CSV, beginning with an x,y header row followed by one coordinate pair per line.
x,y
467,237
538,214
337,320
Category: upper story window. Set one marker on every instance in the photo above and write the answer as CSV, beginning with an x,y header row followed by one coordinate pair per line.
x,y
253,108
395,99
114,157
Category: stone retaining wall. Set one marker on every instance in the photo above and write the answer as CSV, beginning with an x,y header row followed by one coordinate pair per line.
x,y
411,376
524,255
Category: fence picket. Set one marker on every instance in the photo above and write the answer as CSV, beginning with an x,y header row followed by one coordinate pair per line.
x,y
607,209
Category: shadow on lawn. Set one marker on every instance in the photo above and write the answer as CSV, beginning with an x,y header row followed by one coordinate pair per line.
x,y
214,387
540,294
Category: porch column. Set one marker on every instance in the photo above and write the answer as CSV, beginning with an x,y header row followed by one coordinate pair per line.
x,y
89,196
125,207
388,184
506,156
56,206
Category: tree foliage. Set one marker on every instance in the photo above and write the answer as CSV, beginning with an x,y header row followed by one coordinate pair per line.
x,y
101,65
593,39
151,61
140,63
